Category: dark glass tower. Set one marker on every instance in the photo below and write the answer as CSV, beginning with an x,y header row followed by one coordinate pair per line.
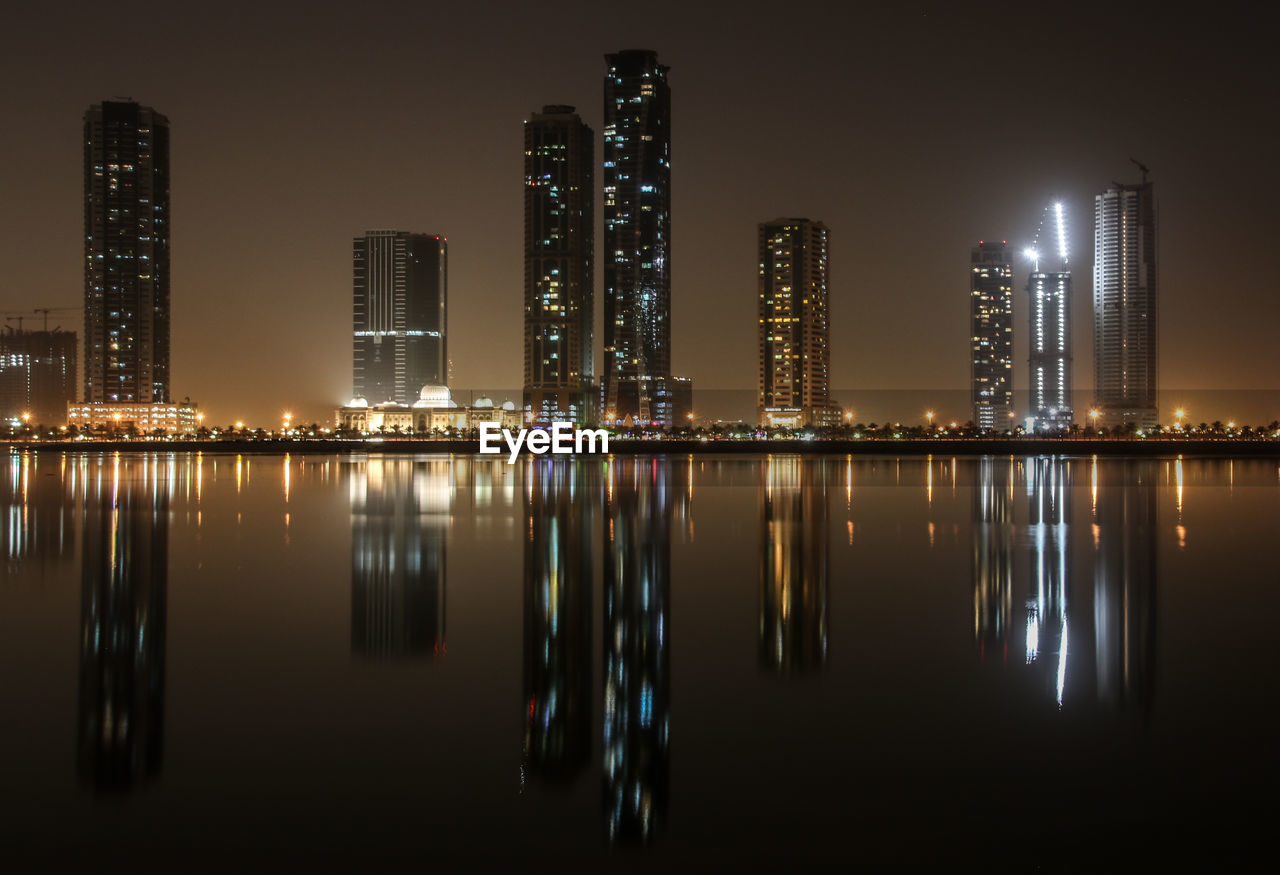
x,y
558,281
126,253
636,376
991,335
399,319
1125,305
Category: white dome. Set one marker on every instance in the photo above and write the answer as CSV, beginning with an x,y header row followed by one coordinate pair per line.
x,y
434,396
357,402
483,401
508,405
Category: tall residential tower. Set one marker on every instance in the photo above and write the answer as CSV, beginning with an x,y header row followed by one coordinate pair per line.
x,y
399,324
991,335
636,375
1049,287
794,333
558,280
1125,305
126,254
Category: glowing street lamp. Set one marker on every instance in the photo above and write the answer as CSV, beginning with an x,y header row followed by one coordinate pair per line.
x,y
1178,414
26,418
1093,414
239,425
929,415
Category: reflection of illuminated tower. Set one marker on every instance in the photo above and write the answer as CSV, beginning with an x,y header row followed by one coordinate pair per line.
x,y
1048,494
793,565
637,677
560,507
993,555
399,519
122,636
37,517
1124,582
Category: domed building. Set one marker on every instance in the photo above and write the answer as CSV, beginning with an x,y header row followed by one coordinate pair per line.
x,y
433,413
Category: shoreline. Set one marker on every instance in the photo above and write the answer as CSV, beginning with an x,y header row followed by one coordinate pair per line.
x,y
1145,448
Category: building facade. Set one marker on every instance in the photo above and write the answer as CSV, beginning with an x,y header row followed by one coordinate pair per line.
x,y
116,418
794,325
991,336
399,315
126,252
637,241
559,243
434,412
1125,306
37,376
1049,287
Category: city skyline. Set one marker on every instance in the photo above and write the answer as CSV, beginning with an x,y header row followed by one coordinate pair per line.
x,y
901,244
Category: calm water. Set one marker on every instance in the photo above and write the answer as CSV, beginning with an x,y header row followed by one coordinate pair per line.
x,y
669,663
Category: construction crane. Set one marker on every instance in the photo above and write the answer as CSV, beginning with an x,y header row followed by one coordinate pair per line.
x,y
47,310
17,317
1145,170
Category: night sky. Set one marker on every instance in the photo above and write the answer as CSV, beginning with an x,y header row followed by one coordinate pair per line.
x,y
912,133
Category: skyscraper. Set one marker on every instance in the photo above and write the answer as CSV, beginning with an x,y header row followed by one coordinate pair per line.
x,y
637,240
1125,305
558,280
126,254
991,335
37,375
399,319
795,353
1049,287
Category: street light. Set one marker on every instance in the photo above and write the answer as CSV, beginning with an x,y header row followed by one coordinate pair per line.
x,y
929,414
1178,414
1093,414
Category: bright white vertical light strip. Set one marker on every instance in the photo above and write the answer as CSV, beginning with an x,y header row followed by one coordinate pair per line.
x,y
1062,232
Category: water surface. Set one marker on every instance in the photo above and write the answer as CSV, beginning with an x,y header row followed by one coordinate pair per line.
x,y
666,662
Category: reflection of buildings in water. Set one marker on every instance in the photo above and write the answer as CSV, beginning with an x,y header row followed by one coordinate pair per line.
x,y
561,505
993,538
399,520
637,676
1048,497
39,521
1124,583
793,565
122,648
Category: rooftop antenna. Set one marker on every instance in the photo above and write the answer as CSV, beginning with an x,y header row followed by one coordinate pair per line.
x,y
1145,170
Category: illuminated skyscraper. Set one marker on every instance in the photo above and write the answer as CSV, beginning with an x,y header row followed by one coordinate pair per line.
x,y
399,318
991,335
1049,287
794,333
637,240
1125,305
126,254
558,280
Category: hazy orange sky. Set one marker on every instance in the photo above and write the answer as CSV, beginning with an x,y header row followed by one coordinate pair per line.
x,y
911,133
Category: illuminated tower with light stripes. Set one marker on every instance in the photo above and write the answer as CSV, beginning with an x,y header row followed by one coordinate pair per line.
x,y
1049,287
